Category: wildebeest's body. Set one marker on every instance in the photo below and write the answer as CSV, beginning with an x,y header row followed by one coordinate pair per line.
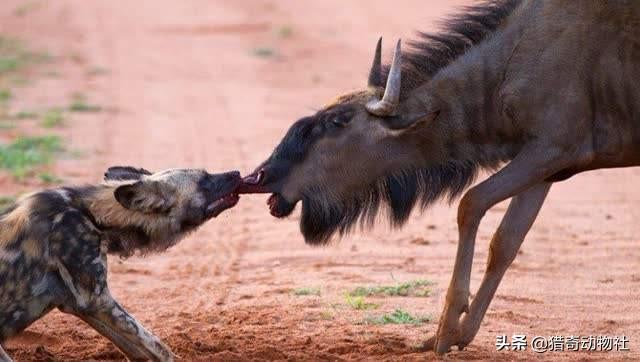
x,y
549,88
562,71
54,246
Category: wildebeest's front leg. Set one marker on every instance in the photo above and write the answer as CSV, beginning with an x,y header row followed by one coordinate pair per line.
x,y
529,168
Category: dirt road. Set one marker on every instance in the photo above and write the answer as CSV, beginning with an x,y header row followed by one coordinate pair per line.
x,y
215,84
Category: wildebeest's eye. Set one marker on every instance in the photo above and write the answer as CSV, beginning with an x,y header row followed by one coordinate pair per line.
x,y
341,120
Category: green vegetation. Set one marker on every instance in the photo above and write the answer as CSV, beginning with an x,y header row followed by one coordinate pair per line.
x,y
79,104
6,201
6,125
97,70
25,115
52,118
306,291
14,56
398,316
284,31
5,95
326,315
24,153
48,178
414,288
25,8
359,303
263,52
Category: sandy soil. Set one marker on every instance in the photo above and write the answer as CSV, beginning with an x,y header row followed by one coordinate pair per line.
x,y
215,84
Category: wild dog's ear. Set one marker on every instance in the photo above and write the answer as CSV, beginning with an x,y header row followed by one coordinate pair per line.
x,y
124,173
145,196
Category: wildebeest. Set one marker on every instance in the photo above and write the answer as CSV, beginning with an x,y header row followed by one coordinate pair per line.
x,y
54,246
533,91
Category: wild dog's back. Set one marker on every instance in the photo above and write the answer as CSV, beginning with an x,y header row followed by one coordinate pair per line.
x,y
34,239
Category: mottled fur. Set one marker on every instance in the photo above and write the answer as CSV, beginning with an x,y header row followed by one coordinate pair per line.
x,y
54,245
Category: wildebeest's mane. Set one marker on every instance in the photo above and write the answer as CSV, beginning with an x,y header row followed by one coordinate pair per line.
x,y
397,193
431,52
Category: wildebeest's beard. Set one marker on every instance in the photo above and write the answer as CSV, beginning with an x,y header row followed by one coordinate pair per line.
x,y
396,194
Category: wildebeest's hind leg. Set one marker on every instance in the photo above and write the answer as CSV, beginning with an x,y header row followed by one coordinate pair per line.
x,y
4,357
530,167
516,223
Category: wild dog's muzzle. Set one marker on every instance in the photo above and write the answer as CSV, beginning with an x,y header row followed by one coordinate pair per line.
x,y
226,194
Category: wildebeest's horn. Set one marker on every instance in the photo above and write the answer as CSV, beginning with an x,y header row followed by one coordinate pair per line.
x,y
375,75
388,105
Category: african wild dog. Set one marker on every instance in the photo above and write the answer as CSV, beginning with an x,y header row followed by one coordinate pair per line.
x,y
54,246
552,88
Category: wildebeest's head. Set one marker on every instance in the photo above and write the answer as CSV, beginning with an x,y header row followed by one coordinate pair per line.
x,y
367,148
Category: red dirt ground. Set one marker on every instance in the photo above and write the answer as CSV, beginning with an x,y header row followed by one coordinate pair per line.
x,y
192,84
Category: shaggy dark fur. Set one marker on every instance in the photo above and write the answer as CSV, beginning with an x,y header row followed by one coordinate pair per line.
x,y
431,52
397,194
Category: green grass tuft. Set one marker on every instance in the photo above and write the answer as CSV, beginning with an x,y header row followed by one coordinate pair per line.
x,y
5,95
6,201
5,124
263,52
25,115
79,104
23,154
48,178
398,316
14,56
306,291
285,31
25,8
359,303
97,71
52,118
414,288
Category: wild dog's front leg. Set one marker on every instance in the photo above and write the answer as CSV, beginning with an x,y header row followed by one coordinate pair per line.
x,y
530,167
4,357
113,322
83,270
94,305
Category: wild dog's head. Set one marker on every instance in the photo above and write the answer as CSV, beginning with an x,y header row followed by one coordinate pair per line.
x,y
189,195
153,210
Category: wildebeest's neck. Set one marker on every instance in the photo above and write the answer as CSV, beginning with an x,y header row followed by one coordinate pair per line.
x,y
432,52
